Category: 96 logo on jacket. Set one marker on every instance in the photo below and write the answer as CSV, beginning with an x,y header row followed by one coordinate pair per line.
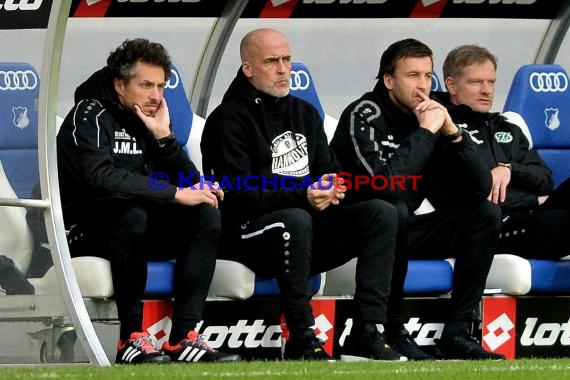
x,y
499,321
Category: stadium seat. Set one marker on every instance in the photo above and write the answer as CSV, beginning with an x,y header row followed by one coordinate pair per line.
x,y
303,87
538,101
19,94
425,277
509,274
436,83
540,94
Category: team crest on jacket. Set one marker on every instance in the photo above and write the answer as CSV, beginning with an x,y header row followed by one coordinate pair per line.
x,y
289,155
503,137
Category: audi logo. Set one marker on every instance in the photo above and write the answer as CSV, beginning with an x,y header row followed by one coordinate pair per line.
x,y
300,80
18,80
548,82
173,77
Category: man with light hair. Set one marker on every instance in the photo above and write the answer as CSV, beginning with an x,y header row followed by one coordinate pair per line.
x,y
536,217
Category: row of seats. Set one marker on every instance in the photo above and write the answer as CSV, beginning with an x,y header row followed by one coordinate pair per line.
x,y
539,102
509,274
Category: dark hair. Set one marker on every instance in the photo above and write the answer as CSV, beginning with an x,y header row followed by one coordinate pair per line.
x,y
465,55
401,49
123,59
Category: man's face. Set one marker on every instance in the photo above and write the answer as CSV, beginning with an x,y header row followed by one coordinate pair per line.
x,y
475,87
411,76
145,88
269,66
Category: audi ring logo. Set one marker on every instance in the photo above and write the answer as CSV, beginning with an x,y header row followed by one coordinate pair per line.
x,y
300,80
548,82
173,80
18,80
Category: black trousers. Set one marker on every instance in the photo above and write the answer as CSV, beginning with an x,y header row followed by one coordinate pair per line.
x,y
541,233
468,233
130,234
293,244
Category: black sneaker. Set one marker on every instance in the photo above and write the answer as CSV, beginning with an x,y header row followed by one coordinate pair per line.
x,y
368,346
195,349
139,348
305,348
465,346
402,342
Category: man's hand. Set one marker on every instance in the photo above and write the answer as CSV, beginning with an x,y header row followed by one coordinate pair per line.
x,y
501,178
328,190
430,114
202,192
159,122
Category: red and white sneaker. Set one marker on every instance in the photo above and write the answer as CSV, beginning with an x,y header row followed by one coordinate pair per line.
x,y
139,348
195,349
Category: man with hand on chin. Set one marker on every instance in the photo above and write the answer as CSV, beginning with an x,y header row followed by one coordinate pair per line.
x,y
397,130
116,135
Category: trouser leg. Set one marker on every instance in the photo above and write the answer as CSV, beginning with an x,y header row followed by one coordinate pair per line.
x,y
279,244
116,231
365,230
127,256
536,234
190,235
470,235
476,245
396,312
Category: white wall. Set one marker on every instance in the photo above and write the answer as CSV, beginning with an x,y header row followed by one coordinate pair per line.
x,y
343,54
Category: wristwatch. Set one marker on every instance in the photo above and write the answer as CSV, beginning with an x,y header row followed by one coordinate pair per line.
x,y
506,165
165,140
454,136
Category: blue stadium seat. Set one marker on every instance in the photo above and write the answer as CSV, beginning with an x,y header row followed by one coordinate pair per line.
x,y
540,94
181,115
436,83
425,277
19,93
19,173
539,98
303,87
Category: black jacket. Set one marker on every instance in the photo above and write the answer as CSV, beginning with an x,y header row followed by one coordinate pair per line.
x,y
500,141
270,139
106,152
374,137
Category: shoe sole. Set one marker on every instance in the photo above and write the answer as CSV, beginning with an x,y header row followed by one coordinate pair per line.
x,y
353,358
331,360
156,360
230,359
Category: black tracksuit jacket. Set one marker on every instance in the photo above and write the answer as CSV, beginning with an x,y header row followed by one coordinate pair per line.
x,y
375,137
500,141
106,152
247,117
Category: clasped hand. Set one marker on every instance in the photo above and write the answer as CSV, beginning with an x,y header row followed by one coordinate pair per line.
x,y
328,190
